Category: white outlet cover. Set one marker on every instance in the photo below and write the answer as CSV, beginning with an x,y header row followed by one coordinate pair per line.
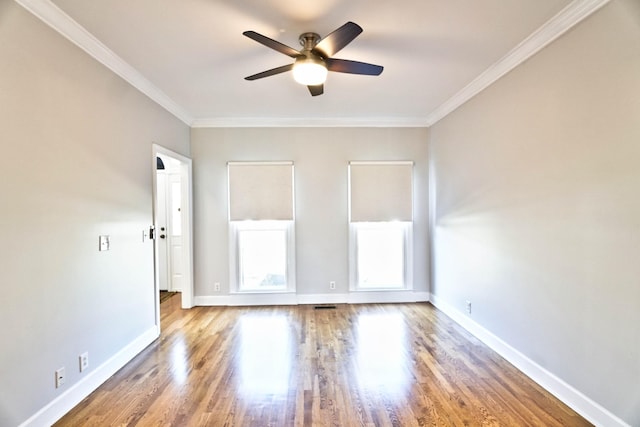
x,y
60,377
84,361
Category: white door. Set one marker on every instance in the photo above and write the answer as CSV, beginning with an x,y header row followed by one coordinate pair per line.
x,y
175,223
161,221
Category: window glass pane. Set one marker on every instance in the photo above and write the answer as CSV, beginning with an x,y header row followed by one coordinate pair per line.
x,y
262,259
380,257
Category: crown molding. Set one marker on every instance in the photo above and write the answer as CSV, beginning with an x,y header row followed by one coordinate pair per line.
x,y
255,122
566,19
54,17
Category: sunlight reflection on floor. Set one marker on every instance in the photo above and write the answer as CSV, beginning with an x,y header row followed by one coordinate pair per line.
x,y
381,353
179,361
265,357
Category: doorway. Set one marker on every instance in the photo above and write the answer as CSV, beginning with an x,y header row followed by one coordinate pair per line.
x,y
172,215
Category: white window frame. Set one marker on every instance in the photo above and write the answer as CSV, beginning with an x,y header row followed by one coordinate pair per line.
x,y
407,231
372,210
234,250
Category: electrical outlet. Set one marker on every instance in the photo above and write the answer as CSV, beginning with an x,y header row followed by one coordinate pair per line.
x,y
216,287
60,377
332,285
469,307
84,361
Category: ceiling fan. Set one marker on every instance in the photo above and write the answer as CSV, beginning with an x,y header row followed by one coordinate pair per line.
x,y
314,60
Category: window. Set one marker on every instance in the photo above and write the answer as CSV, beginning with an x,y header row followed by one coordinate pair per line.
x,y
261,226
380,203
381,250
262,255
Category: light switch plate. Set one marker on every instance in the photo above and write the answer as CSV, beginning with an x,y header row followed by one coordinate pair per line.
x,y
103,242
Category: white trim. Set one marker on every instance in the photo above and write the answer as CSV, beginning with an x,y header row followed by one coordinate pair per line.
x,y
53,16
566,19
374,297
262,163
264,299
381,162
362,297
278,122
306,299
58,407
212,301
573,398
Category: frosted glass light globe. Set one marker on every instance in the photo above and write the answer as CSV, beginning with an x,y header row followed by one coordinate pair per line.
x,y
310,71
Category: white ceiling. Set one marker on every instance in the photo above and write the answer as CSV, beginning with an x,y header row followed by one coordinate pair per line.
x,y
191,57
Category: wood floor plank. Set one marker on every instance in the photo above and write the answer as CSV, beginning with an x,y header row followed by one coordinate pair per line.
x,y
355,365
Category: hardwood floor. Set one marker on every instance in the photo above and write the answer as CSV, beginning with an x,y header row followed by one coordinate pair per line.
x,y
356,365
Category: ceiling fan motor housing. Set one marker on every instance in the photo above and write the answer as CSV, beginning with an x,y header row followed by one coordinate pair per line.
x,y
308,41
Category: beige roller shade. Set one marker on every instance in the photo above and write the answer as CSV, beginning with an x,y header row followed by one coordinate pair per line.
x,y
260,191
381,191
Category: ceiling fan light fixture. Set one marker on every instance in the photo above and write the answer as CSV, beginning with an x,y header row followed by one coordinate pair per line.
x,y
310,71
315,59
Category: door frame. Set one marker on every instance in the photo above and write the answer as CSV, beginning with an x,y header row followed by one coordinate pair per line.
x,y
187,222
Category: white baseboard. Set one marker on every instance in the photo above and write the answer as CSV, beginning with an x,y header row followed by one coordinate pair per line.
x,y
53,411
387,297
246,299
323,298
590,410
296,299
208,300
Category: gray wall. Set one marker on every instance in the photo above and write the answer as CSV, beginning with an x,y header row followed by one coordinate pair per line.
x,y
76,163
537,218
321,157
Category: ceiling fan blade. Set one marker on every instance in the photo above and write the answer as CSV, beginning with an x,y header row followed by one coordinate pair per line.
x,y
353,67
338,39
316,90
275,45
271,72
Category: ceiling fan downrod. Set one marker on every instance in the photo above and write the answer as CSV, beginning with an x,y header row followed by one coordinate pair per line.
x,y
308,41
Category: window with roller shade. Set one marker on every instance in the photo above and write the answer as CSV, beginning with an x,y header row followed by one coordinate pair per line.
x,y
261,222
380,223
